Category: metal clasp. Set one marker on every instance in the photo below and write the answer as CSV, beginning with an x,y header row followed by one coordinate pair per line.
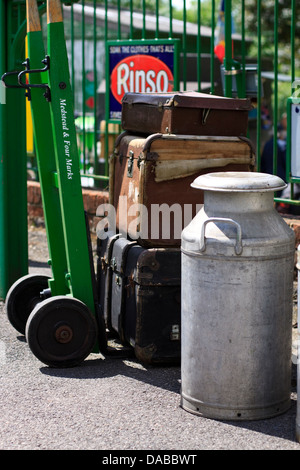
x,y
113,263
175,333
8,74
17,72
130,164
205,114
27,86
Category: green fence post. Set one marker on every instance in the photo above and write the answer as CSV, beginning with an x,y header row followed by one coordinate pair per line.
x,y
259,87
3,261
13,173
228,49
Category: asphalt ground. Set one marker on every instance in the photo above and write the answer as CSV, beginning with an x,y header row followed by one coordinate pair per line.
x,y
115,405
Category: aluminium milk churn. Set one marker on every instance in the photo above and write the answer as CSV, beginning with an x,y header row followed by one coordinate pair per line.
x,y
237,267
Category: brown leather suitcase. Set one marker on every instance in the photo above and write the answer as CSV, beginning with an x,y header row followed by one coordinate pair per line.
x,y
184,113
150,180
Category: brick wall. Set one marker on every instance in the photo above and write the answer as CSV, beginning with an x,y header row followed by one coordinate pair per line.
x,y
91,200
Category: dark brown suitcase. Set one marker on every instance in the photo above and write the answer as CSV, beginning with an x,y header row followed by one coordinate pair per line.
x,y
185,113
150,181
145,300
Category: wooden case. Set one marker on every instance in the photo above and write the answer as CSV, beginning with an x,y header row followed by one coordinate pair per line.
x,y
150,180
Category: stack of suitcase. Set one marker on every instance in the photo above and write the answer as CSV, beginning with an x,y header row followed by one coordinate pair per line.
x,y
168,140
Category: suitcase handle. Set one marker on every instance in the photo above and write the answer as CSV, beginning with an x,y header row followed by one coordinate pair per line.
x,y
238,244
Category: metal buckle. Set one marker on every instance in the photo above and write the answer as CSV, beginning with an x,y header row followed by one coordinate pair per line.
x,y
27,86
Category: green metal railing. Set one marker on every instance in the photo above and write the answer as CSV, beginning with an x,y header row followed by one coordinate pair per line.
x,y
95,23
13,189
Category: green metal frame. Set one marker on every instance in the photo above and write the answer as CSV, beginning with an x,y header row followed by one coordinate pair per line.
x,y
46,154
13,172
67,166
58,164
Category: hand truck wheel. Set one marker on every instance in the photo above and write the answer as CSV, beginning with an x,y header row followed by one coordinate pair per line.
x,y
22,297
61,331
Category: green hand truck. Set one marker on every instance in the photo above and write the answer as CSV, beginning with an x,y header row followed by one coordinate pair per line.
x,y
59,315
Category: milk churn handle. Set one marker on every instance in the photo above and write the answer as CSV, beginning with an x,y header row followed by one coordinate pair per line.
x,y
238,245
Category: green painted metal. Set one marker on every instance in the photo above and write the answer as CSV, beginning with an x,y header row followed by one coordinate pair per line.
x,y
13,186
119,18
171,19
144,21
290,101
96,130
275,101
3,196
72,266
294,99
288,150
212,47
259,85
157,19
50,93
83,82
79,275
293,35
199,45
228,63
131,19
231,66
184,47
243,85
46,155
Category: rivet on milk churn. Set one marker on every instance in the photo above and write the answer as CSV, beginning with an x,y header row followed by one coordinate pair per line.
x,y
237,266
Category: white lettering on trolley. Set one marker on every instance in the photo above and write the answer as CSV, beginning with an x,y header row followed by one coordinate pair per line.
x,y
67,143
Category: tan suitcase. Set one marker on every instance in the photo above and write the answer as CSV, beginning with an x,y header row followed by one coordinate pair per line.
x,y
150,181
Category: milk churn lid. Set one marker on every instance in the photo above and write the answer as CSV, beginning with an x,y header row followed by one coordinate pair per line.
x,y
235,181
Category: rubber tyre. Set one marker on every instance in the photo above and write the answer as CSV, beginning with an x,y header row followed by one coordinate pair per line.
x,y
61,331
22,298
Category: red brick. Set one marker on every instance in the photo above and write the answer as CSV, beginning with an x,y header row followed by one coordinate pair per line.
x,y
295,225
34,193
91,200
